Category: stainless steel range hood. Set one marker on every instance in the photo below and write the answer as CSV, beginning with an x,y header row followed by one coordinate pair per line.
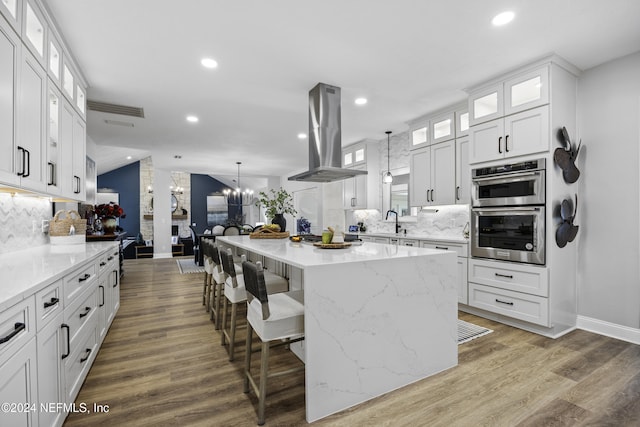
x,y
325,138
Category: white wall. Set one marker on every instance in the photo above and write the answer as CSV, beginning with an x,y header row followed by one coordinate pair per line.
x,y
608,215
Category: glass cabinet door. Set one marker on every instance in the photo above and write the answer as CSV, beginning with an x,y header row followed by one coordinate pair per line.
x,y
10,10
34,31
67,81
486,105
462,123
420,137
442,128
527,91
53,139
55,59
80,99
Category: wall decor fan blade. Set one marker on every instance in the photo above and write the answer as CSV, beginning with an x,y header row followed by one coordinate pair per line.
x,y
561,235
571,174
566,210
562,158
567,140
572,233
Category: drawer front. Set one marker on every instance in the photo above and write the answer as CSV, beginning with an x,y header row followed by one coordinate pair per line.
x,y
102,263
48,303
513,277
460,249
79,280
77,364
409,242
530,308
81,314
17,326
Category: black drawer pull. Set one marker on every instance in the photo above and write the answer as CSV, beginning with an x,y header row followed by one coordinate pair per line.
x,y
102,264
65,326
115,272
442,247
88,353
87,310
102,303
17,328
83,278
53,302
504,302
110,258
508,276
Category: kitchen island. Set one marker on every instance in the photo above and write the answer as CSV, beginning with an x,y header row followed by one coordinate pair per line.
x,y
377,317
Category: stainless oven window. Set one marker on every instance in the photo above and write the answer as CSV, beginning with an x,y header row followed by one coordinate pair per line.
x,y
526,188
513,232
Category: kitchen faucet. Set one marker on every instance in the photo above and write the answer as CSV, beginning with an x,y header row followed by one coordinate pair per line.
x,y
396,215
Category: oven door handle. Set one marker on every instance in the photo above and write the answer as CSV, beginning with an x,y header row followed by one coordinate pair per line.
x,y
510,210
511,177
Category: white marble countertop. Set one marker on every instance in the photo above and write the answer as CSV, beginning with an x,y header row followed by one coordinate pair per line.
x,y
306,255
447,239
27,271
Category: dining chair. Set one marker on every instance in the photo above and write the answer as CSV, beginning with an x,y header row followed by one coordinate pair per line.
x,y
277,319
235,293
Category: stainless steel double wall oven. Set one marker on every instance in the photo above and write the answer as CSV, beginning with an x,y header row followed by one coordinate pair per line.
x,y
508,212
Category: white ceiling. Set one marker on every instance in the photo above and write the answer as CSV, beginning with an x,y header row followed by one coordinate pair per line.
x,y
408,57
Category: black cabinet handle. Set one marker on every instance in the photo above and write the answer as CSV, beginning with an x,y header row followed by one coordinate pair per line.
x,y
432,199
27,164
88,353
83,278
102,303
442,247
115,273
458,192
110,258
508,276
506,143
24,160
17,328
53,302
504,302
65,326
500,145
87,310
77,179
102,264
52,173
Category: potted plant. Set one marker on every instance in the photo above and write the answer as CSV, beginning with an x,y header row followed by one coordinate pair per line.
x,y
276,204
107,214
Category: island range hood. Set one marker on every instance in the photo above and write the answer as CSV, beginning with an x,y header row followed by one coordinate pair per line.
x,y
325,138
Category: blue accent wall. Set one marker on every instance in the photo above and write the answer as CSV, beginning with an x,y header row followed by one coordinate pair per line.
x,y
201,187
126,182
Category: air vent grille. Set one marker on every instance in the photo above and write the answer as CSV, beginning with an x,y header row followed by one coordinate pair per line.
x,y
123,110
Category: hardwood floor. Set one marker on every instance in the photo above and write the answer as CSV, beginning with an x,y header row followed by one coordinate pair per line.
x,y
162,364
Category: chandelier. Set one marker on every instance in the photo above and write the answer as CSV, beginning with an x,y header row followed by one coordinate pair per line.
x,y
238,197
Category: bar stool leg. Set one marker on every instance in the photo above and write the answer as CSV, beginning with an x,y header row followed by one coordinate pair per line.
x,y
232,333
224,321
264,370
219,297
247,358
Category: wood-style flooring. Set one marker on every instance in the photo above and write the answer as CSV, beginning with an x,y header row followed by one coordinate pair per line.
x,y
162,364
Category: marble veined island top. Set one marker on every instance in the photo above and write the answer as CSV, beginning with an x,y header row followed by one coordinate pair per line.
x,y
377,317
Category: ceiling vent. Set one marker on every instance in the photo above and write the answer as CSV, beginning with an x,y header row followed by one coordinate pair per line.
x,y
123,110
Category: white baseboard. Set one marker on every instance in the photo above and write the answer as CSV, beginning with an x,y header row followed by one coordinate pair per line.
x,y
163,255
612,330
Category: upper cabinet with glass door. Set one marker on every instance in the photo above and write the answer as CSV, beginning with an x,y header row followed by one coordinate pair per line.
x,y
353,155
419,133
462,122
34,31
522,92
73,88
12,11
54,68
442,127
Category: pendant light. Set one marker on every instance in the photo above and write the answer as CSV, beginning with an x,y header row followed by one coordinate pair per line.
x,y
388,178
239,197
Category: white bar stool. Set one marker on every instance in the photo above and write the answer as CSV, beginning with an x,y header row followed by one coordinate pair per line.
x,y
277,319
234,293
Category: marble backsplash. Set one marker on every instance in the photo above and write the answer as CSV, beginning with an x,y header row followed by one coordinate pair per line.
x,y
21,222
441,221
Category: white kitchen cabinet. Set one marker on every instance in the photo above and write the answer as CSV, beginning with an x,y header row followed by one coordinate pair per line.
x,y
72,152
355,192
52,172
19,387
34,31
462,122
516,135
420,134
463,172
433,175
462,262
354,155
409,242
522,92
12,11
51,348
30,135
10,54
54,63
442,127
79,158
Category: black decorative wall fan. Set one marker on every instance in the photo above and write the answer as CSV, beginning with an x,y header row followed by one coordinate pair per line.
x,y
567,230
566,156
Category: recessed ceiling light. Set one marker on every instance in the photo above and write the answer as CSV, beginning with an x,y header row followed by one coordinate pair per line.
x,y
192,119
128,157
361,101
503,18
209,63
302,135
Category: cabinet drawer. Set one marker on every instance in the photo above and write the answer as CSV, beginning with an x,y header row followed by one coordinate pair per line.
x,y
460,249
514,277
79,280
48,303
81,314
102,263
409,242
17,326
78,362
530,308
